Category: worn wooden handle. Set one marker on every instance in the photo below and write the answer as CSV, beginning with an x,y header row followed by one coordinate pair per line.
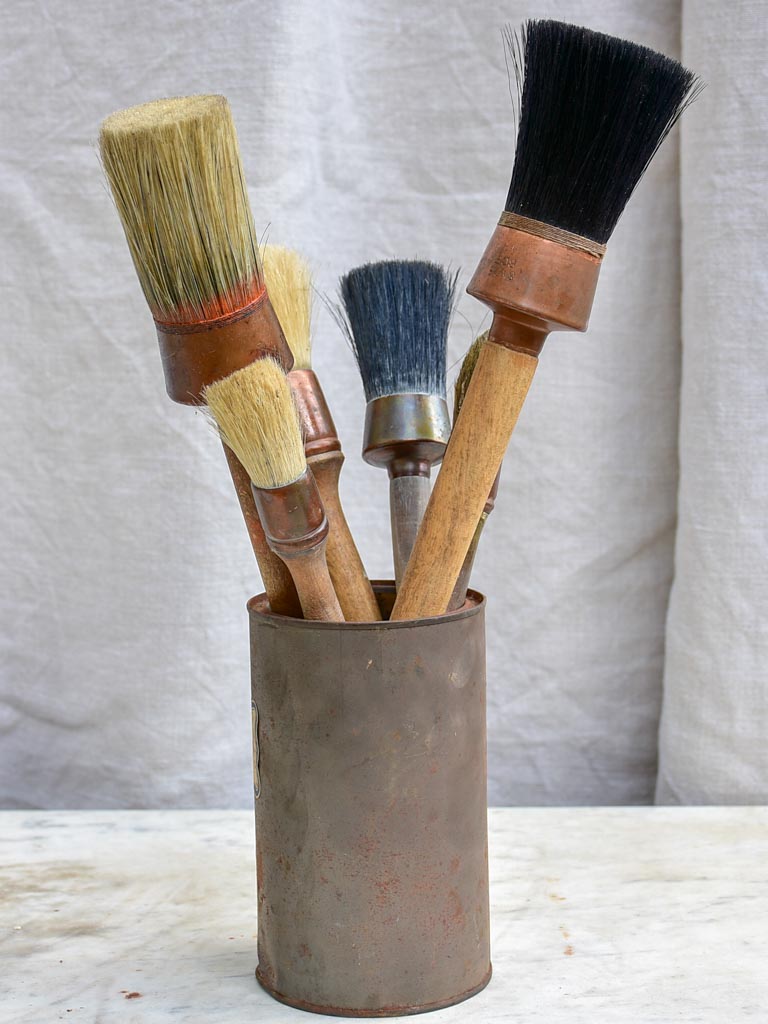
x,y
278,584
459,595
314,587
352,586
408,498
472,459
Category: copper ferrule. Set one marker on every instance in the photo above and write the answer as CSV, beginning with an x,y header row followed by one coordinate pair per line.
x,y
406,433
196,355
317,426
534,285
293,516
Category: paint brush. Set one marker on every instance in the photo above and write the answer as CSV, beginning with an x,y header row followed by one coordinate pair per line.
x,y
593,112
258,420
459,393
174,169
397,316
289,283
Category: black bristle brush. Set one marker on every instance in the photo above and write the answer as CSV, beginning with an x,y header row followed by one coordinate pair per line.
x,y
397,316
593,111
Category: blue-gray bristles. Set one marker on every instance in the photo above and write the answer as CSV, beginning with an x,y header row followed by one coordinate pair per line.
x,y
398,313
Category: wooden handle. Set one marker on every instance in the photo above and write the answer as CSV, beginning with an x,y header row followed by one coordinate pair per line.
x,y
408,498
314,587
278,584
459,595
472,459
354,591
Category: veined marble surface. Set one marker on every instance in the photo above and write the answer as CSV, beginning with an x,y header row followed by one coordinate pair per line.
x,y
599,915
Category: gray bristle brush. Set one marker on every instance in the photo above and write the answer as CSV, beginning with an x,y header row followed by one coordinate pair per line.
x,y
397,316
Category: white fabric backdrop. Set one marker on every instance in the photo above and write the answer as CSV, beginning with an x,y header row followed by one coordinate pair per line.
x,y
714,735
367,131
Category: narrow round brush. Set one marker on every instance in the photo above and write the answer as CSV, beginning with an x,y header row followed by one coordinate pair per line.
x,y
459,393
593,111
258,420
398,313
174,169
289,283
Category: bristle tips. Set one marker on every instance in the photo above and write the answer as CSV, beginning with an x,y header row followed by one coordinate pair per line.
x,y
257,419
593,111
174,169
465,373
289,284
397,318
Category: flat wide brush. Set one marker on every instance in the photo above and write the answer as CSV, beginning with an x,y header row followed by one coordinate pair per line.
x,y
397,320
289,283
175,173
258,420
594,110
459,394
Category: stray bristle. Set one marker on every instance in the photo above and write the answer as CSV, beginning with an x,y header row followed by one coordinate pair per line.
x,y
398,312
465,373
174,169
593,111
257,419
289,284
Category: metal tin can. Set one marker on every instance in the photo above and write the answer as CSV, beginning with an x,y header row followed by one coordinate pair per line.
x,y
371,823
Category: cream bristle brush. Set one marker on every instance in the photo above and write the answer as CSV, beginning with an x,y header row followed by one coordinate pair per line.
x,y
289,283
593,111
258,420
460,389
174,169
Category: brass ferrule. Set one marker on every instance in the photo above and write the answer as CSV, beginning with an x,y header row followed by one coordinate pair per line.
x,y
317,426
534,285
406,433
196,355
293,516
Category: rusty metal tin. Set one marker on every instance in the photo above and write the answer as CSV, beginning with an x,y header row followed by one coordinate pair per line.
x,y
371,829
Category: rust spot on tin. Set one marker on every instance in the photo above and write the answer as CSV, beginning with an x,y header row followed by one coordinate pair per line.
x,y
305,951
454,867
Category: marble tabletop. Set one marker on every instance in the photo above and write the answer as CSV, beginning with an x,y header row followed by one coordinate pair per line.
x,y
638,915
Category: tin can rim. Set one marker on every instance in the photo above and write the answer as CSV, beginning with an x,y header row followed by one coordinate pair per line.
x,y
258,607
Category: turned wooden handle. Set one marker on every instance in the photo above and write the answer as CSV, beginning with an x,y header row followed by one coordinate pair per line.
x,y
314,587
408,498
472,459
278,584
353,589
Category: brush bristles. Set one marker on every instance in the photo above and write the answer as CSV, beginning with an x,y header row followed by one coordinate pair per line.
x,y
398,314
465,373
289,284
257,419
174,169
593,111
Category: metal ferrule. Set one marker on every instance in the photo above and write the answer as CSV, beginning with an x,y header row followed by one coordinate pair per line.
x,y
492,495
317,426
534,285
293,516
196,355
406,433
